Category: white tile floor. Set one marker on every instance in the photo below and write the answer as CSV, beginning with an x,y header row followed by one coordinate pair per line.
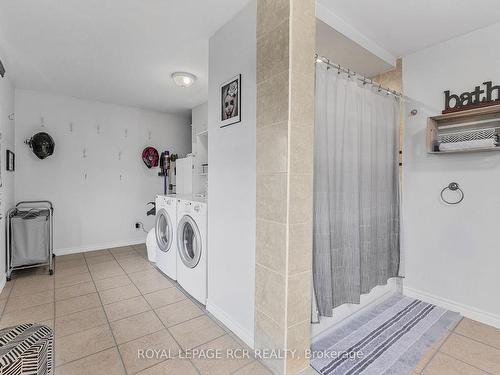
x,y
106,305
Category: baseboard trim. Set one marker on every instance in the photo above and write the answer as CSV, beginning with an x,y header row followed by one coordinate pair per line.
x,y
102,246
245,335
467,311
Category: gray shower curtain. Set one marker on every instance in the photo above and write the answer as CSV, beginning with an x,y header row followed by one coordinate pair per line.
x,y
356,192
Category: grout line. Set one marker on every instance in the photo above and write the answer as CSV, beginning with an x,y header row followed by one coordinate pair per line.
x,y
270,125
163,324
459,360
140,337
435,352
181,350
80,295
86,356
280,72
122,300
450,332
15,311
109,325
454,326
78,332
257,307
129,316
270,269
185,321
154,312
75,312
266,33
475,340
242,367
67,286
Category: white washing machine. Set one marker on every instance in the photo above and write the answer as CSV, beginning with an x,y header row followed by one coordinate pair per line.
x,y
166,221
192,247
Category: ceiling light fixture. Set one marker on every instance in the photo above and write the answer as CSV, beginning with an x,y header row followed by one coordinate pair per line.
x,y
183,79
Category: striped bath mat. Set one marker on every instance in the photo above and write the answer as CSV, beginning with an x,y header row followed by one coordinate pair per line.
x,y
387,339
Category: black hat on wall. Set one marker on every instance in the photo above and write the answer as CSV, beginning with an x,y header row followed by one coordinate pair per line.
x,y
41,144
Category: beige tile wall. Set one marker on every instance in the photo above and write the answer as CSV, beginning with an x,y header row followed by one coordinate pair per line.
x,y
285,133
392,79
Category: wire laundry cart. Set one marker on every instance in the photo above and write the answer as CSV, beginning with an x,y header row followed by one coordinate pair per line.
x,y
30,236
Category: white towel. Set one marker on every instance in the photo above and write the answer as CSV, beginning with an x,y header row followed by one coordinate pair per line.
x,y
464,145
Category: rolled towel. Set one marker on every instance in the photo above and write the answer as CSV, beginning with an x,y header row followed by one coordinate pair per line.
x,y
465,145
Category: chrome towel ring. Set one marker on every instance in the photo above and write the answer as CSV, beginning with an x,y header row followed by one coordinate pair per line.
x,y
452,186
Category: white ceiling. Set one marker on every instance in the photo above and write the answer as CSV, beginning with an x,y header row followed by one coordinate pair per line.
x,y
123,51
401,27
120,51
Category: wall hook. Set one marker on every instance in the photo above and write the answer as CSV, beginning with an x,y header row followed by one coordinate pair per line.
x,y
84,152
11,117
71,127
85,175
98,129
413,112
121,177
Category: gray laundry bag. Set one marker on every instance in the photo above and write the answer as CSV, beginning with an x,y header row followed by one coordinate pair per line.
x,y
30,237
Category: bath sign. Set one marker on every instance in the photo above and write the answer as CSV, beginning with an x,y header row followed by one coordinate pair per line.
x,y
481,96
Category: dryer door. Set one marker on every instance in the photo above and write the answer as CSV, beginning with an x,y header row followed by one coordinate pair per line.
x,y
164,230
189,241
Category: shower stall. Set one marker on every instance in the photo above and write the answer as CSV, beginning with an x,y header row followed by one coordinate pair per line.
x,y
356,235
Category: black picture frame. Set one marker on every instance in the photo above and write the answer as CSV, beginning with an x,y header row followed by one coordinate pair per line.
x,y
230,89
10,161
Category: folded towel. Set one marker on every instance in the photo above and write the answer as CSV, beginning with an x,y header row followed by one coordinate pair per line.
x,y
464,145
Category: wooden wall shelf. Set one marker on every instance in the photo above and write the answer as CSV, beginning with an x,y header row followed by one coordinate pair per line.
x,y
474,123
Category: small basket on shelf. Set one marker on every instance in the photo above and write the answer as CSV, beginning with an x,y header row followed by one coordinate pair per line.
x,y
467,131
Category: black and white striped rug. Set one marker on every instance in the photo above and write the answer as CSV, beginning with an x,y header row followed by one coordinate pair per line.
x,y
386,339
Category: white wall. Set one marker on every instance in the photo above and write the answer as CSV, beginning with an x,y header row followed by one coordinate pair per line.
x,y
7,178
98,211
231,184
199,123
452,252
199,117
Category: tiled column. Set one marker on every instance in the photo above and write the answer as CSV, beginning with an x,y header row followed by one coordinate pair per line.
x,y
285,120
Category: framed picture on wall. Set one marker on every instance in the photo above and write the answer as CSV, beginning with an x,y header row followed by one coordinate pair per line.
x,y
10,160
230,101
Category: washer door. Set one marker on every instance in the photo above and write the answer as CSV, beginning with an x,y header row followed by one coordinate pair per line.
x,y
189,241
164,230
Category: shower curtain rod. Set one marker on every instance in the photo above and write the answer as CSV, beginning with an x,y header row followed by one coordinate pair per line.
x,y
365,80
